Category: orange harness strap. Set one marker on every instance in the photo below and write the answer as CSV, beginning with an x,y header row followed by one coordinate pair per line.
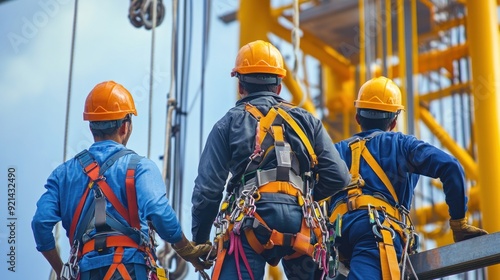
x,y
117,264
300,242
221,253
112,241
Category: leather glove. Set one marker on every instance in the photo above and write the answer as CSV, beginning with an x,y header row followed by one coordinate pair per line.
x,y
192,253
463,231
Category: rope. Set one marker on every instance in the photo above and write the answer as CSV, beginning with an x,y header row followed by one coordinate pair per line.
x,y
296,37
151,77
170,100
206,20
53,275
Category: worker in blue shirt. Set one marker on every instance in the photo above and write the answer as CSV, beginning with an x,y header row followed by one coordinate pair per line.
x,y
270,148
371,215
107,198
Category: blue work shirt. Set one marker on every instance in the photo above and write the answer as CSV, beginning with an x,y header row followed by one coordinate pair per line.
x,y
232,141
404,158
67,183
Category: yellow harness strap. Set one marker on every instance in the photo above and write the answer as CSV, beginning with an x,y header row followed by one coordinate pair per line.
x,y
357,200
356,149
388,257
267,120
301,134
380,173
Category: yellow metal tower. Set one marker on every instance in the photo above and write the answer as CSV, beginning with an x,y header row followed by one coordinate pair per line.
x,y
443,53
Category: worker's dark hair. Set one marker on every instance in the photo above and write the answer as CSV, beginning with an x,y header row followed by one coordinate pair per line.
x,y
105,129
382,123
259,82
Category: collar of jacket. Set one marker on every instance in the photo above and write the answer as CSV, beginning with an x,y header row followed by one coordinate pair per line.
x,y
255,95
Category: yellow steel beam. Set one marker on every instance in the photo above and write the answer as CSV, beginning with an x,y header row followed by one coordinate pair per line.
x,y
447,141
462,87
362,42
401,73
440,27
435,60
316,48
482,31
439,211
251,30
388,43
298,96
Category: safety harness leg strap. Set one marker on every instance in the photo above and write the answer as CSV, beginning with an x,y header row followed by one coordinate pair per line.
x,y
117,258
388,258
221,253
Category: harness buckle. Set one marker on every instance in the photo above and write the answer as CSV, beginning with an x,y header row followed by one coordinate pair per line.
x,y
269,244
90,167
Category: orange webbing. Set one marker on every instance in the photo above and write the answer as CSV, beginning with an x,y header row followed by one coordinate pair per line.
x,y
78,212
117,264
112,241
221,254
132,199
280,187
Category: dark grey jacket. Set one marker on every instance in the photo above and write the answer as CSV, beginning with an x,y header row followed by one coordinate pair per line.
x,y
232,141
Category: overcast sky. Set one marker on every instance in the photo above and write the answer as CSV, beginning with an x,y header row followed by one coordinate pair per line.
x,y
35,45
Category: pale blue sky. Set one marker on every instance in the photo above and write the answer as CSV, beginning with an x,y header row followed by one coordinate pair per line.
x,y
35,44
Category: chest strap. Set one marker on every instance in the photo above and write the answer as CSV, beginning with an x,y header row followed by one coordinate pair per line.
x,y
266,121
264,177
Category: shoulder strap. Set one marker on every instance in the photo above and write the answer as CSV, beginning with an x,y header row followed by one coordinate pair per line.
x,y
266,121
358,150
131,192
301,134
95,173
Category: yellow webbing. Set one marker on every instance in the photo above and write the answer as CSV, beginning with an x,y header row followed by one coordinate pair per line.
x,y
278,133
266,122
388,259
301,134
356,148
380,173
254,111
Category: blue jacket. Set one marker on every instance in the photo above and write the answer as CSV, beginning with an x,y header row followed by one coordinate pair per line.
x,y
231,142
66,185
403,158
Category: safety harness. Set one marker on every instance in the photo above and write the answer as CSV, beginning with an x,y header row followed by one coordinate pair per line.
x,y
238,214
98,230
396,217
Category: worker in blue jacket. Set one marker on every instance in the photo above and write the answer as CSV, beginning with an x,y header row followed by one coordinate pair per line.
x,y
371,215
106,198
242,144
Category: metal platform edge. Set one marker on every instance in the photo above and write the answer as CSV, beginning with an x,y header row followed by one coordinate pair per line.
x,y
459,257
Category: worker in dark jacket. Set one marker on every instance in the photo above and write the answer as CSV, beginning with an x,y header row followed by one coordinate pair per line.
x,y
385,168
265,193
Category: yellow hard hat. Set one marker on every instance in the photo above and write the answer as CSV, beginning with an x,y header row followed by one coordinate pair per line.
x,y
108,101
381,94
259,57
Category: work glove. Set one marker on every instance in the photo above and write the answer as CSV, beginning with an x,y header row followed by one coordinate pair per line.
x,y
463,231
193,254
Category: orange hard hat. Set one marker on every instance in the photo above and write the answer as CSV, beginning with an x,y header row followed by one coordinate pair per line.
x,y
108,101
259,57
381,94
